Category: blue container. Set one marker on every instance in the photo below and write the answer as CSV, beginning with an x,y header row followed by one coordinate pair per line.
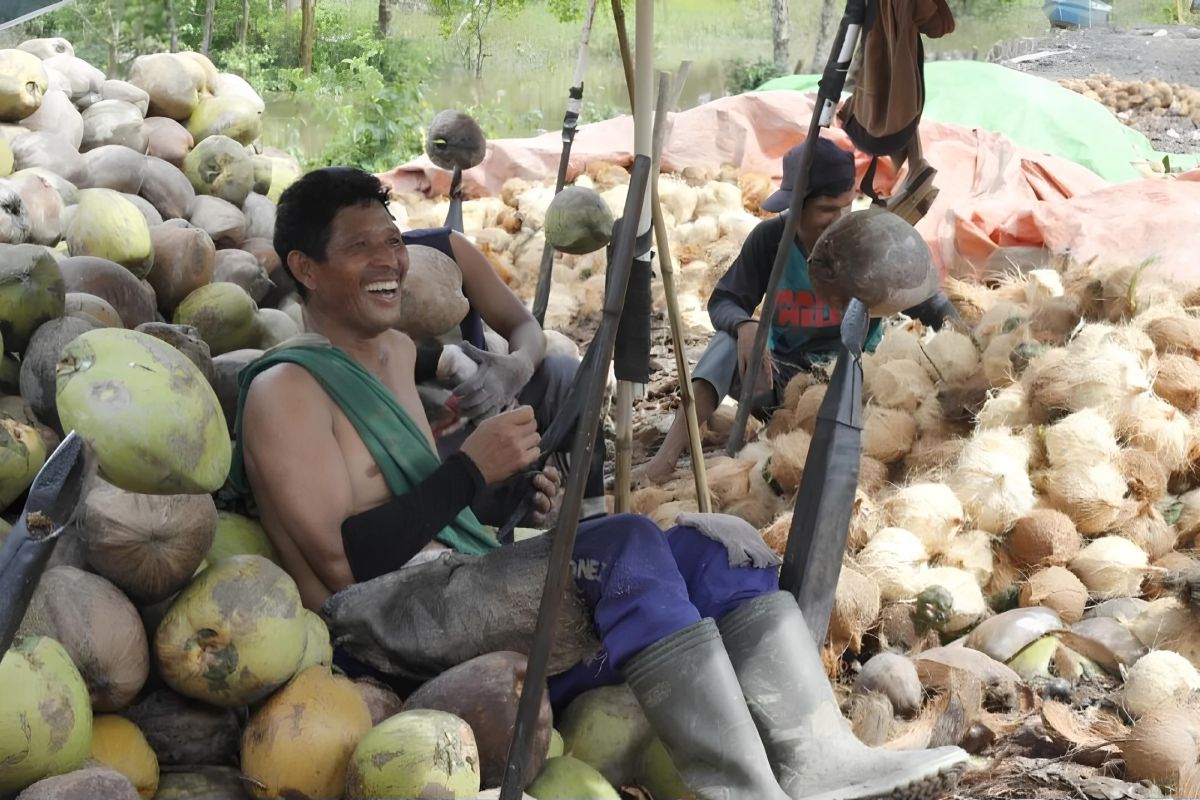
x,y
1076,13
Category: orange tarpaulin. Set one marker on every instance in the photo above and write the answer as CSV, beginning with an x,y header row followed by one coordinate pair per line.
x,y
993,192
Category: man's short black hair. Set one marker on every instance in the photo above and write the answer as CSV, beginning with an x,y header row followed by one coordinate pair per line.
x,y
306,210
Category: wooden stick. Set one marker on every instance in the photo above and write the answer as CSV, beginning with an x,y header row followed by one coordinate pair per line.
x,y
624,447
674,318
623,41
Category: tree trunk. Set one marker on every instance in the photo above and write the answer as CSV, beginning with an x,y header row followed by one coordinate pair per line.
x,y
245,26
308,34
385,19
172,26
780,32
208,26
826,33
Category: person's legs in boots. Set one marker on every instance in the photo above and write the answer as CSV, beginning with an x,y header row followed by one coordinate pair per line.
x,y
673,660
810,744
712,378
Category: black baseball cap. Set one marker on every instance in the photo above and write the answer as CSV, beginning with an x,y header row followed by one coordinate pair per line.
x,y
832,174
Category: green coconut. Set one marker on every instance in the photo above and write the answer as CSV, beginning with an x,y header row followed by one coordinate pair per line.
x,y
223,314
607,729
100,629
97,308
148,545
174,89
567,778
228,115
23,83
184,261
556,744
285,173
264,166
227,84
31,292
106,225
45,715
132,299
234,635
113,122
578,221
318,646
416,754
220,167
168,140
22,454
6,159
244,269
237,535
659,775
168,189
111,385
39,366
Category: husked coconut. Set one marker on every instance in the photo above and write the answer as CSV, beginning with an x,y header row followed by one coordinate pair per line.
x,y
971,551
1081,438
887,434
950,356
929,510
1178,381
893,558
804,415
856,606
1093,495
900,384
1004,408
895,677
1058,589
1111,567
1154,425
787,460
1044,537
901,342
968,605
1150,532
1158,678
1178,334
991,479
1145,477
1164,745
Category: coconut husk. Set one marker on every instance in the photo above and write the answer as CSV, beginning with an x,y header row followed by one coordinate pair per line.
x,y
184,732
275,326
220,167
382,701
149,212
221,220
1092,495
761,503
901,384
1088,741
932,457
870,717
112,283
991,479
1178,381
264,251
148,545
728,479
1058,589
643,501
1151,533
228,115
97,308
84,79
14,219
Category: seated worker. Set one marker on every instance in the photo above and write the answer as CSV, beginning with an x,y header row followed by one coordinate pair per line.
x,y
805,333
335,447
525,375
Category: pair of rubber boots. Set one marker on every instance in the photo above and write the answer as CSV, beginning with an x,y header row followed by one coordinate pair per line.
x,y
746,712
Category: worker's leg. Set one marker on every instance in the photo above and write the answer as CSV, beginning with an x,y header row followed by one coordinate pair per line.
x,y
711,381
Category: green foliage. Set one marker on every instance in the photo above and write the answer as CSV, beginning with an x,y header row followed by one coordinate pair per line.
x,y
744,76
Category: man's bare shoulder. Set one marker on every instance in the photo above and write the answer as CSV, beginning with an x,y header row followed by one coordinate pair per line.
x,y
282,387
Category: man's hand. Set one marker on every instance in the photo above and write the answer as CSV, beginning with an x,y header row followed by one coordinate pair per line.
x,y
746,334
546,483
504,445
494,385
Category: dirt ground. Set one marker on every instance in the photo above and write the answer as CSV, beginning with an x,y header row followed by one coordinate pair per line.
x,y
1143,53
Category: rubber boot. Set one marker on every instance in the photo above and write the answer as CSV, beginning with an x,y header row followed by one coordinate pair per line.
x,y
690,694
815,753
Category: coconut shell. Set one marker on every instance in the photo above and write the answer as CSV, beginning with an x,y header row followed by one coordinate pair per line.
x,y
220,167
174,89
382,701
112,283
185,260
242,269
100,629
113,122
1044,537
185,732
485,692
148,545
168,140
221,220
40,362
1058,589
57,115
167,189
455,140
431,297
87,783
115,167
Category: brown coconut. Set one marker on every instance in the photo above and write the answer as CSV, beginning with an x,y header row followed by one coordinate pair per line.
x,y
431,299
111,282
1178,381
872,475
264,251
1056,588
168,190
97,308
182,731
776,534
186,340
148,545
728,479
1044,537
43,207
484,692
382,701
888,434
804,415
116,167
789,453
99,628
243,269
168,140
88,783
1177,334
220,219
226,368
40,363
1144,475
1163,744
184,260
856,607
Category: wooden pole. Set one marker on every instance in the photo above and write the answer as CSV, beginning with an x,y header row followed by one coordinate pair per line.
x,y
623,43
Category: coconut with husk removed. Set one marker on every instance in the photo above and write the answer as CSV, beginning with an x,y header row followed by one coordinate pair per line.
x,y
1158,678
132,299
930,510
299,742
991,479
149,545
31,292
108,380
1163,744
888,433
234,635
413,754
23,83
45,716
220,167
1110,567
893,558
455,140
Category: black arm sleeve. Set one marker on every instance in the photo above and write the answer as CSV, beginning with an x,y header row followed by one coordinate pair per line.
x,y
742,287
429,352
935,311
383,539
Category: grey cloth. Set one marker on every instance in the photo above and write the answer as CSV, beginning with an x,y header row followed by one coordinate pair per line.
x,y
742,541
718,367
420,621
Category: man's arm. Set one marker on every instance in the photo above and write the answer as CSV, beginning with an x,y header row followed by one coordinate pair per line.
x,y
500,308
742,287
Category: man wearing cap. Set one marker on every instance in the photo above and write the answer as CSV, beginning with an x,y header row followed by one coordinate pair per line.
x,y
805,331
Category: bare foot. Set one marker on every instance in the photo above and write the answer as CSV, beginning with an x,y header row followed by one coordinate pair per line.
x,y
652,473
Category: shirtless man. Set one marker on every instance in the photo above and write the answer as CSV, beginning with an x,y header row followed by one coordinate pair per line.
x,y
691,618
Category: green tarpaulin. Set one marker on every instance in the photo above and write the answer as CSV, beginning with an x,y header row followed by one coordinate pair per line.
x,y
1034,112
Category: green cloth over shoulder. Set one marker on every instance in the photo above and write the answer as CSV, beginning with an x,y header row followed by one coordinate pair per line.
x,y
399,447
